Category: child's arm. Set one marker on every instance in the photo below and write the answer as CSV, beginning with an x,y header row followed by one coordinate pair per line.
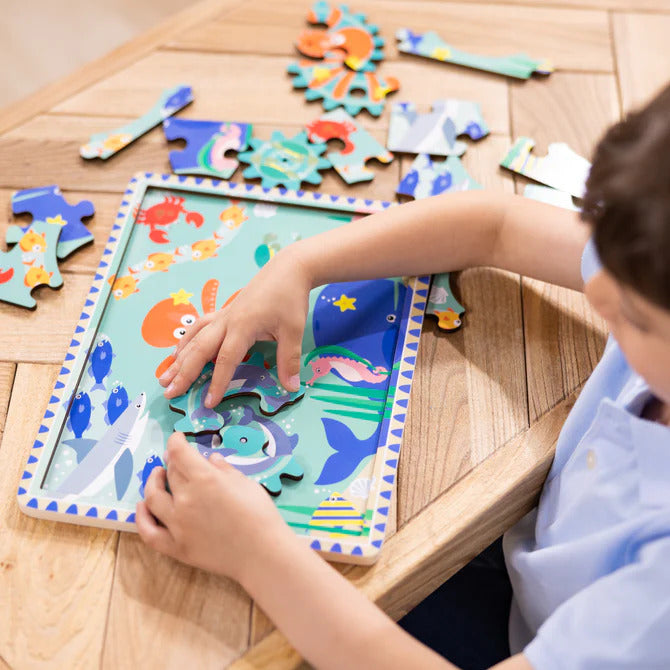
x,y
326,618
439,234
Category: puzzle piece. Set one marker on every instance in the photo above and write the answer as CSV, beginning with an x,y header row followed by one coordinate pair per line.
x,y
359,145
347,33
282,160
47,203
328,80
431,45
250,378
206,145
104,145
427,177
561,168
443,305
435,132
550,196
30,263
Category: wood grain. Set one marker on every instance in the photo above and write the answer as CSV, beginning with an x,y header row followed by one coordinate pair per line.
x,y
446,534
55,578
572,39
7,371
642,56
632,5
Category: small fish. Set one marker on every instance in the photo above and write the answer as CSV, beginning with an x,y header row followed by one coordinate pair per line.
x,y
33,242
116,403
336,513
123,286
153,461
203,249
79,417
101,363
233,216
36,276
158,262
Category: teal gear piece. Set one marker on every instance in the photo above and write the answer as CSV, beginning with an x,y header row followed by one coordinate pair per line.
x,y
285,161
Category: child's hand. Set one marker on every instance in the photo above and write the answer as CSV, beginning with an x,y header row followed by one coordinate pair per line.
x,y
216,518
273,306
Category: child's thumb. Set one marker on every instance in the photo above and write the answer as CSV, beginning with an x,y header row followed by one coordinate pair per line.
x,y
289,348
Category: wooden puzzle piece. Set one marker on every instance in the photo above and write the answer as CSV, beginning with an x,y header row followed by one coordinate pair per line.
x,y
347,33
550,196
48,204
328,80
427,177
31,262
206,145
431,45
335,515
435,132
561,168
359,145
106,144
443,305
250,378
284,161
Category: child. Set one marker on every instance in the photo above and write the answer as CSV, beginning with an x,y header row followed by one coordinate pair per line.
x,y
590,566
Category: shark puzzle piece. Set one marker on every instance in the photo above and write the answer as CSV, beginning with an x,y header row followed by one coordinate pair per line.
x,y
48,204
550,196
347,33
427,177
561,168
30,263
435,132
206,145
330,81
443,305
251,378
359,145
431,45
104,145
283,160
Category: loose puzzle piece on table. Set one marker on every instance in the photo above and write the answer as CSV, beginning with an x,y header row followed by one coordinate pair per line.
x,y
30,263
427,177
550,196
561,168
48,204
431,45
330,81
104,145
206,145
348,33
282,160
435,132
443,305
359,145
250,378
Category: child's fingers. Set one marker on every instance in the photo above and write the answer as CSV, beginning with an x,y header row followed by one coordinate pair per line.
x,y
289,349
230,355
159,502
154,535
193,330
185,460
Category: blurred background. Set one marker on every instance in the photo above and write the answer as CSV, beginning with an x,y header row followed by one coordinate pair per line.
x,y
42,40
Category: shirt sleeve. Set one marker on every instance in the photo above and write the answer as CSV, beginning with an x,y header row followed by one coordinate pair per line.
x,y
590,261
621,621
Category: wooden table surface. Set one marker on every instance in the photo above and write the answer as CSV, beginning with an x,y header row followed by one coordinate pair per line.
x,y
488,401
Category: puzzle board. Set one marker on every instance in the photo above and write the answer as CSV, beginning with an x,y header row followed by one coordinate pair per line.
x,y
182,246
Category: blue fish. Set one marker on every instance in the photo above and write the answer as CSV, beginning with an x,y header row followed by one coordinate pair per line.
x,y
349,451
79,417
181,96
153,461
101,363
409,182
116,404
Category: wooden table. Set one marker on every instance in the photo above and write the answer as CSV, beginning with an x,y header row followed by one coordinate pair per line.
x,y
488,401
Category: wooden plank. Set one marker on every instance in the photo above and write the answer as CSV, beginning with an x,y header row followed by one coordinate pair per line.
x,y
264,93
115,60
572,39
55,578
564,337
7,371
632,5
447,534
642,55
85,260
169,615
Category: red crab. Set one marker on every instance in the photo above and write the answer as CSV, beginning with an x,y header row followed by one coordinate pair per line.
x,y
163,214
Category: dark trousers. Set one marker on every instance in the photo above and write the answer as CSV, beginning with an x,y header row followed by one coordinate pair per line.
x,y
466,619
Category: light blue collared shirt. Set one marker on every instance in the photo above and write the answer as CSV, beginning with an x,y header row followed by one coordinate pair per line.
x,y
590,566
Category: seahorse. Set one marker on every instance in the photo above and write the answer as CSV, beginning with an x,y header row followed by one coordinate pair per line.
x,y
347,364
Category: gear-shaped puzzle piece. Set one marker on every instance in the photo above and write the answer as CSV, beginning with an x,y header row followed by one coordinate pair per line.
x,y
287,161
347,33
47,203
251,378
435,132
330,81
359,145
30,263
